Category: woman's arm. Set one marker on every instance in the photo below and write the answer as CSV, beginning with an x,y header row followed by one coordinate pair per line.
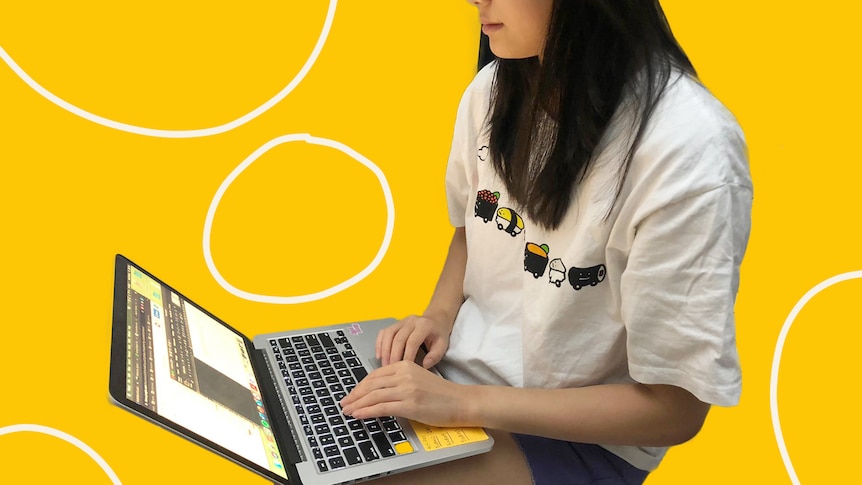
x,y
613,414
402,340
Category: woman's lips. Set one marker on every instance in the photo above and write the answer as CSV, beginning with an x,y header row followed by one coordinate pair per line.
x,y
488,29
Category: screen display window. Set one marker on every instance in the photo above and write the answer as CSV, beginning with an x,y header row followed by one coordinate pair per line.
x,y
190,369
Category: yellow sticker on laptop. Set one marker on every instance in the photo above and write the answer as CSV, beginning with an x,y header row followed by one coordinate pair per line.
x,y
434,438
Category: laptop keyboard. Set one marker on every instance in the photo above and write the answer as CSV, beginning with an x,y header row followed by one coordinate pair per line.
x,y
319,370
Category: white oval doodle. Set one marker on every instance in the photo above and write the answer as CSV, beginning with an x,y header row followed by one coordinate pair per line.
x,y
776,362
38,428
387,237
195,133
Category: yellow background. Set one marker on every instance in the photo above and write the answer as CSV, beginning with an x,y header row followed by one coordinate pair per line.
x,y
302,218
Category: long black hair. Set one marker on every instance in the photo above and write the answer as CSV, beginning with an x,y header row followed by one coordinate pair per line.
x,y
547,118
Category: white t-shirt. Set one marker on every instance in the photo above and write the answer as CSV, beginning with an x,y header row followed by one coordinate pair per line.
x,y
645,296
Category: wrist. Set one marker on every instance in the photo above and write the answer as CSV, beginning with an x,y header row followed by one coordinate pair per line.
x,y
470,409
442,317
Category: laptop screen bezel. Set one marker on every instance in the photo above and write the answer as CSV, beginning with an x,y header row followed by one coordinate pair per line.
x,y
118,370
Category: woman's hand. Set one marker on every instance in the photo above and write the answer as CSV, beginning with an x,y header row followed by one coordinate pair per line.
x,y
402,340
404,389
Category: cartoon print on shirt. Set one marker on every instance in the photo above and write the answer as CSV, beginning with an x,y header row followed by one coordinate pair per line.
x,y
556,272
581,277
486,204
508,220
536,259
483,152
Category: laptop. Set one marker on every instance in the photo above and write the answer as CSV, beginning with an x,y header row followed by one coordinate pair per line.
x,y
269,403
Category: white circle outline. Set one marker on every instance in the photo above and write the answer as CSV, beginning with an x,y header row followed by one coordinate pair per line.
x,y
384,246
195,133
776,362
38,428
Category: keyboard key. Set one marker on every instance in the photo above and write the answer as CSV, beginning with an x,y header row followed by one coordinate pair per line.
x,y
368,451
340,431
391,426
321,428
336,462
325,340
327,401
326,439
360,435
336,420
352,456
359,372
318,455
318,419
372,425
345,441
331,411
397,436
321,466
403,448
331,451
312,339
383,445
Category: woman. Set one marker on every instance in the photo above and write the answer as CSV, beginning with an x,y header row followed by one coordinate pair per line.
x,y
601,201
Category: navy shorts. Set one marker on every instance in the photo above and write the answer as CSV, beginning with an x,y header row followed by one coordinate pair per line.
x,y
554,462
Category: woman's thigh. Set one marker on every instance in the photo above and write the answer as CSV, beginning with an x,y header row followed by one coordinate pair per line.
x,y
554,462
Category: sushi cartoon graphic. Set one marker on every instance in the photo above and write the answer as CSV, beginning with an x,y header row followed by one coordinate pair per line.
x,y
509,221
486,204
557,272
536,259
581,277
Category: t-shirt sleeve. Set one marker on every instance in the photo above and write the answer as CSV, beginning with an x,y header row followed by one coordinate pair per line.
x,y
469,122
679,290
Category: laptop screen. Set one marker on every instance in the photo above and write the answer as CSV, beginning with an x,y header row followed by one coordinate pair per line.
x,y
186,367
